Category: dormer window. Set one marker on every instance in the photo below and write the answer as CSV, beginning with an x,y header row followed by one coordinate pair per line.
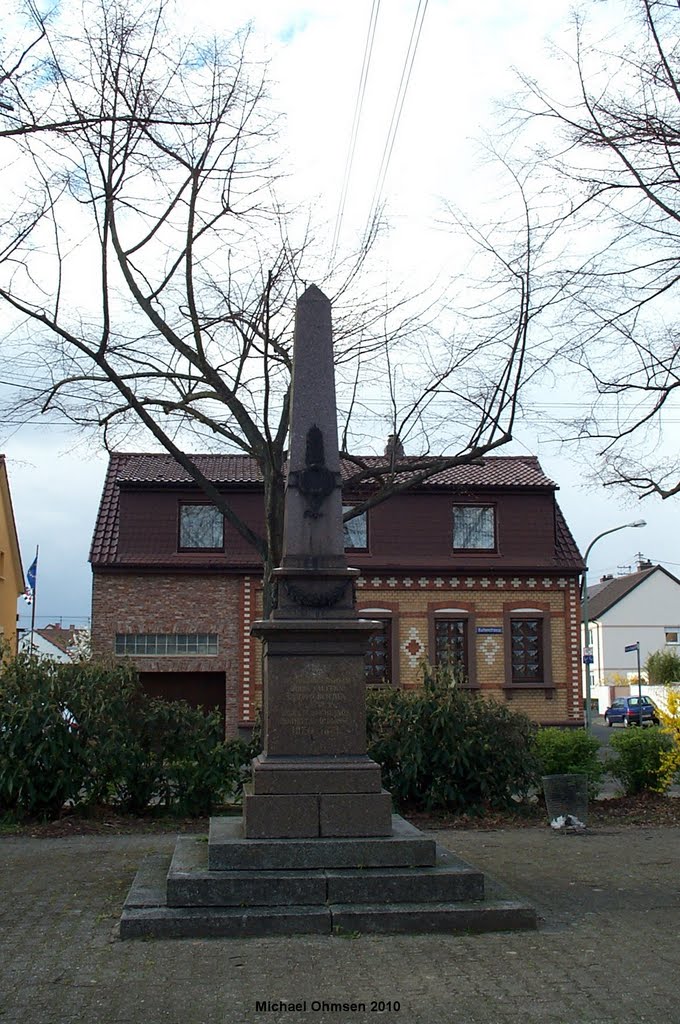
x,y
355,531
201,527
474,528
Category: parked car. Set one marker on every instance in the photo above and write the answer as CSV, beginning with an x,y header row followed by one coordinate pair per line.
x,y
626,711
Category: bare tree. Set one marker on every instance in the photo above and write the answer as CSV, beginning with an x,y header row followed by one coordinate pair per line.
x,y
154,274
610,145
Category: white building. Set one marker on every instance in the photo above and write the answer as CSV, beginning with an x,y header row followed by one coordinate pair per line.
x,y
644,607
53,641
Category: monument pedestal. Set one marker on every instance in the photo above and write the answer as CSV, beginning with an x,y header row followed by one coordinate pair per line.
x,y
314,777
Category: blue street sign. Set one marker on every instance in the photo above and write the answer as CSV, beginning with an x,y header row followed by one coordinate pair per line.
x,y
588,659
632,647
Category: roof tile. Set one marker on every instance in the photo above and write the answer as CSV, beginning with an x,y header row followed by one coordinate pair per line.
x,y
161,470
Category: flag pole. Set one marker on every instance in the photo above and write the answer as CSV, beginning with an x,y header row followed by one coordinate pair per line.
x,y
35,590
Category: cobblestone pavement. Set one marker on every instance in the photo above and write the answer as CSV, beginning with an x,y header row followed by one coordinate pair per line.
x,y
607,950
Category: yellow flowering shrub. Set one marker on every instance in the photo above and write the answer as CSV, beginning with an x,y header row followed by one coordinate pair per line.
x,y
669,764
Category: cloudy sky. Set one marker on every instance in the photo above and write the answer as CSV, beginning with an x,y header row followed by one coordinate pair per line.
x,y
462,67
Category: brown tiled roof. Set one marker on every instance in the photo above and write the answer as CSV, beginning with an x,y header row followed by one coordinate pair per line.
x,y
161,470
566,550
154,469
59,636
604,595
495,471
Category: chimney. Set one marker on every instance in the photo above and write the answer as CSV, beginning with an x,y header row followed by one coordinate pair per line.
x,y
642,562
606,578
394,449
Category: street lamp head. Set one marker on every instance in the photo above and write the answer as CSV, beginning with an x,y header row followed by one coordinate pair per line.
x,y
637,522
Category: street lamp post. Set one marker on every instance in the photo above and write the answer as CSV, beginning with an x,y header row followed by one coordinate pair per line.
x,y
586,622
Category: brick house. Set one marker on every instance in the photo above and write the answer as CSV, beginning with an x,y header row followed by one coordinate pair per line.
x,y
476,566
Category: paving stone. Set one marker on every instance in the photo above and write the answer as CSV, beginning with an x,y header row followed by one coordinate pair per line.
x,y
600,914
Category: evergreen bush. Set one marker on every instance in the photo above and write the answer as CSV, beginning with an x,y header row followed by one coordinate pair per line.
x,y
567,751
639,759
41,757
115,744
445,748
663,668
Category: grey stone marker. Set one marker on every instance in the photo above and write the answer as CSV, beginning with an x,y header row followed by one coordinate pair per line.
x,y
314,777
317,850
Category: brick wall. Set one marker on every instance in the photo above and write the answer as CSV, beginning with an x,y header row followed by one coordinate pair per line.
x,y
227,605
491,598
180,603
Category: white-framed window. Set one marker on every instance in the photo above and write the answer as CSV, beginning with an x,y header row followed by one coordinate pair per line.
x,y
200,527
355,531
672,635
474,527
164,644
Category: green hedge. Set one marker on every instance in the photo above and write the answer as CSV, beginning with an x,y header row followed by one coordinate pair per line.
x,y
446,748
637,759
567,751
663,668
127,749
42,762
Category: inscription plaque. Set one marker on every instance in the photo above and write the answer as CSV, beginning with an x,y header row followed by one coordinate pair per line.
x,y
319,707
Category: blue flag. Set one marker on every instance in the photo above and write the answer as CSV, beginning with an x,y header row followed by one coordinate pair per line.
x,y
30,576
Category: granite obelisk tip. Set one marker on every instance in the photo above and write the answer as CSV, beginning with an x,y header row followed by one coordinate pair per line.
x,y
313,579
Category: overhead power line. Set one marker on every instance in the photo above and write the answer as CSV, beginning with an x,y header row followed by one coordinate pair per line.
x,y
358,107
396,114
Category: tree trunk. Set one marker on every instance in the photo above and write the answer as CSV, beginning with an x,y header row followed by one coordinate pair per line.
x,y
274,489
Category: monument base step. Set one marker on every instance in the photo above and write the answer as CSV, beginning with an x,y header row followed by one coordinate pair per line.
x,y
406,846
147,915
190,883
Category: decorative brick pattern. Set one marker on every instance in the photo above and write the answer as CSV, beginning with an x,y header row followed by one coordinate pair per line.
x,y
557,703
454,583
246,696
413,647
490,649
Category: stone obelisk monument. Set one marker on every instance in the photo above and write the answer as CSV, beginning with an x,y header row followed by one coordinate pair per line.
x,y
317,850
314,777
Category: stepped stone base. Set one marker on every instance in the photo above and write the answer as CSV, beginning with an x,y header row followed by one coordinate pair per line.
x,y
236,887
